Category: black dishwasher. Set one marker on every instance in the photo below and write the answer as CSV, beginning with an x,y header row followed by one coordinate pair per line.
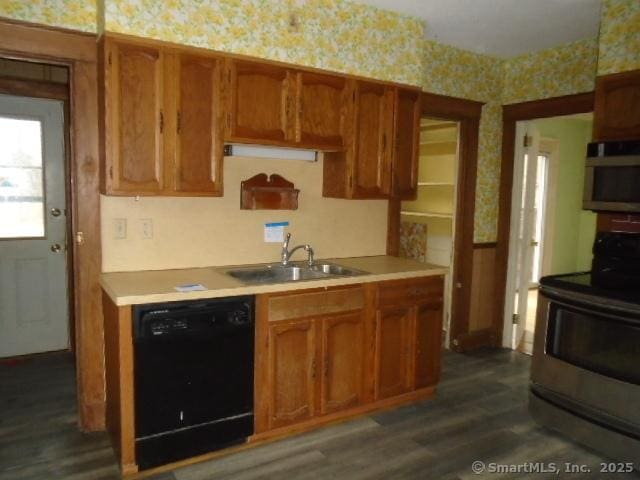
x,y
193,376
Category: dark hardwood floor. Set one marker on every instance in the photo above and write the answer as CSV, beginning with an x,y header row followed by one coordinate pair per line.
x,y
479,414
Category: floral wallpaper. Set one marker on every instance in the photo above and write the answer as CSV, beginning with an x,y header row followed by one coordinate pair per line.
x,y
459,73
557,71
72,14
619,36
329,34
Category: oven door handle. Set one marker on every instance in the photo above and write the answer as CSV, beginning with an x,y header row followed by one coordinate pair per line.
x,y
612,311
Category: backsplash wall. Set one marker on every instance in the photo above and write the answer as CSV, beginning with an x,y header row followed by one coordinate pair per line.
x,y
192,232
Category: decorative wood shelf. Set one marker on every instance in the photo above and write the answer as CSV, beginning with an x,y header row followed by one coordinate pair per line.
x,y
268,193
427,214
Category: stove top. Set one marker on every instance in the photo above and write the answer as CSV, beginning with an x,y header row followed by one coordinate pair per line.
x,y
582,282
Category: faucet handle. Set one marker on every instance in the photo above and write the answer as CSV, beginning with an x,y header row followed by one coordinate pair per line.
x,y
286,240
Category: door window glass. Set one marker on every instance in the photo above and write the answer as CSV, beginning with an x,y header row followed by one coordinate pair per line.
x,y
21,178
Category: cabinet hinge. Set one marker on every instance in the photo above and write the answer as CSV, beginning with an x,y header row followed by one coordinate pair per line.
x,y
354,96
110,172
350,181
515,318
109,58
161,121
527,141
178,122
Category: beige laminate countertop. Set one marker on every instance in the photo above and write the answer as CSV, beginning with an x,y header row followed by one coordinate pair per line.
x,y
151,286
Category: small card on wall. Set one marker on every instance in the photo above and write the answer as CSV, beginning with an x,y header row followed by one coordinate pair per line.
x,y
274,232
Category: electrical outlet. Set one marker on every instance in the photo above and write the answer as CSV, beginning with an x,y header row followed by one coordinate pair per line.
x,y
120,228
146,225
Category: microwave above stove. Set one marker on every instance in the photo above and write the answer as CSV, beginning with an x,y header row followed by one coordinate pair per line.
x,y
612,177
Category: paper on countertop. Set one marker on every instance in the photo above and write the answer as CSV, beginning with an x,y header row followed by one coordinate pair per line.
x,y
190,287
274,232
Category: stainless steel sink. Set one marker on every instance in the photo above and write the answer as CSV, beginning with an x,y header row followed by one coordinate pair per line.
x,y
333,269
290,273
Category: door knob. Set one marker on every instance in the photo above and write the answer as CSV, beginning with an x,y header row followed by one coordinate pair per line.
x,y
55,212
55,248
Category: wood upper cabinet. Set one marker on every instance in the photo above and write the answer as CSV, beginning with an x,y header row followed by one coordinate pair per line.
x,y
322,110
428,344
373,136
199,134
617,107
404,181
393,350
163,132
134,122
259,103
343,362
293,369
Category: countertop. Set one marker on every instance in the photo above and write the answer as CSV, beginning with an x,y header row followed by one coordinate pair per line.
x,y
151,286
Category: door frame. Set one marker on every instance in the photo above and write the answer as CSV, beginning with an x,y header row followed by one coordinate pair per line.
x,y
467,113
78,52
550,107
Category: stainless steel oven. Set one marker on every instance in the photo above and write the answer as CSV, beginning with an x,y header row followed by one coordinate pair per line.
x,y
585,374
612,177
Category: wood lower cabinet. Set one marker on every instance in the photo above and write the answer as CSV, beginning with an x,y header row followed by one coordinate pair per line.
x,y
327,353
163,132
408,335
393,349
617,107
293,370
428,344
341,385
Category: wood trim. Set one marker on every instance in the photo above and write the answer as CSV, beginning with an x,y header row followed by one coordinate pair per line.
x,y
36,41
550,107
485,245
467,113
477,339
78,52
34,88
120,415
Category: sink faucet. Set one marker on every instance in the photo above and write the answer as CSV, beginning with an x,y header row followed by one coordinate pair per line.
x,y
286,253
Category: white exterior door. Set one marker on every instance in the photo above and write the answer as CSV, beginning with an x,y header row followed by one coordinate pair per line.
x,y
34,307
521,243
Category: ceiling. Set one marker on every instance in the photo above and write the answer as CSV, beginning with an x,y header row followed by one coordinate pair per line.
x,y
504,28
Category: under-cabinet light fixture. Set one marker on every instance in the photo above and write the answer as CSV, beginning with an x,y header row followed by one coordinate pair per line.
x,y
270,152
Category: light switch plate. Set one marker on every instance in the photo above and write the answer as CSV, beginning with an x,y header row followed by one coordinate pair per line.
x,y
119,228
146,225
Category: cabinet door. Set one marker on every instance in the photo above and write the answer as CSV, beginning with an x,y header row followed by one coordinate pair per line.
x,y
135,120
393,348
617,107
428,344
199,143
292,366
343,362
371,176
406,144
321,110
260,108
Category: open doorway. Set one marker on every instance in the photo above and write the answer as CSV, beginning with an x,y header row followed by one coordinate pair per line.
x,y
427,224
550,233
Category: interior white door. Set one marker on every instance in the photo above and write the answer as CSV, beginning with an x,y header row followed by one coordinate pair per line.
x,y
522,243
34,314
